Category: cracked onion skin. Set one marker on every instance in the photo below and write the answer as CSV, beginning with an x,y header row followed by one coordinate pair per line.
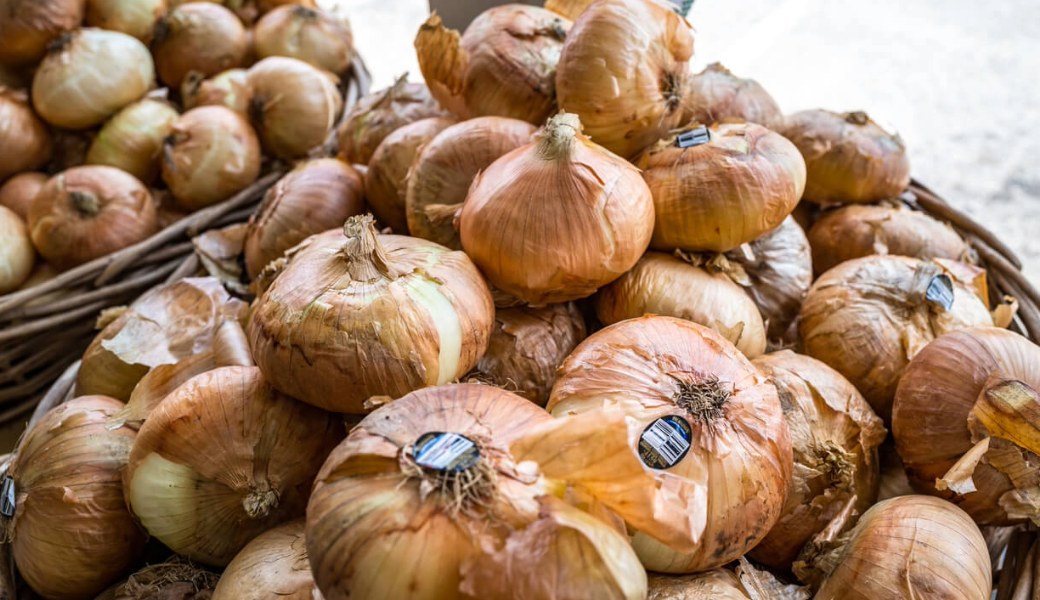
x,y
715,95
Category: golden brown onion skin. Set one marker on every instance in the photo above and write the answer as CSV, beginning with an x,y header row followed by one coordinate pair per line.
x,y
445,168
854,231
715,95
72,534
849,158
724,193
28,26
311,35
176,578
229,89
132,140
197,36
720,584
271,567
378,114
132,17
18,192
17,255
27,142
294,105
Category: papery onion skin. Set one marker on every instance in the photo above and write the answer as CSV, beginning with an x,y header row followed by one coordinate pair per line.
x,y
198,36
377,115
28,26
17,255
175,579
267,6
294,105
132,17
313,36
724,193
445,167
664,285
19,191
229,89
719,584
848,157
72,534
27,142
622,70
271,567
715,95
132,140
206,485
90,76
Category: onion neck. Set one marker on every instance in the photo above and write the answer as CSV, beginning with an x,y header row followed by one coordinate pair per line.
x,y
85,202
702,399
259,501
672,90
364,255
303,12
857,117
556,141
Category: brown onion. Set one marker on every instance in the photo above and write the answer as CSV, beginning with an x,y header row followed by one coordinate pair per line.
x,y
17,255
445,167
174,579
28,26
229,89
271,567
198,36
386,180
558,218
19,191
748,583
311,35
294,105
715,95
316,196
71,534
132,17
132,140
849,158
27,142
623,71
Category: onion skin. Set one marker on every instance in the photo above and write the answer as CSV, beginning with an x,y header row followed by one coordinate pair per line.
x,y
132,140
18,192
198,36
72,534
17,255
724,193
848,157
386,180
719,584
664,285
377,115
271,567
854,231
313,36
445,168
174,579
229,89
622,70
715,95
316,196
28,26
267,6
27,142
132,17
294,105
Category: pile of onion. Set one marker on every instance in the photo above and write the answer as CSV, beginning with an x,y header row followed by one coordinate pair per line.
x,y
197,36
206,485
294,105
132,17
29,26
428,484
715,95
558,218
849,158
27,142
355,314
17,255
503,65
229,89
623,70
272,565
311,35
132,140
19,191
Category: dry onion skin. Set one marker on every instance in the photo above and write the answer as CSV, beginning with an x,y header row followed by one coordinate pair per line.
x,y
271,567
174,579
715,95
311,35
355,314
665,285
503,65
198,36
132,17
266,6
17,255
294,105
28,26
229,89
492,528
71,534
19,191
858,230
316,196
445,167
849,158
206,485
132,140
835,436
27,142
556,219
717,195
747,583
88,212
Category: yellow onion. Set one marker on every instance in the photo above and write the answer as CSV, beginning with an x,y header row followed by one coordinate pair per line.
x,y
211,155
355,314
623,71
198,36
444,170
28,26
503,65
835,436
229,89
87,212
526,347
17,255
660,284
849,157
715,95
89,75
748,583
558,218
854,231
132,140
71,534
728,191
294,105
311,35
481,525
271,567
174,579
18,192
316,196
867,318
27,143
132,17
677,432
246,10
387,177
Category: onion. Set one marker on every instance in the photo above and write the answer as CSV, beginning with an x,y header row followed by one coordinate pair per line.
x,y
198,36
28,26
387,177
311,35
229,89
868,317
717,488
558,218
206,485
444,170
715,95
491,528
71,534
748,583
132,140
664,285
316,196
132,17
835,435
211,155
19,191
623,71
854,231
87,212
717,195
401,314
89,75
503,65
17,255
849,158
267,6
272,566
175,579
27,143
294,105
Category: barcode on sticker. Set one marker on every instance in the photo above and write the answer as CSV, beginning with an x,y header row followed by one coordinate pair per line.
x,y
7,497
445,451
940,291
665,442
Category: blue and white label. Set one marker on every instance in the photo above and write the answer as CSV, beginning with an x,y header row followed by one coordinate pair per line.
x,y
442,451
665,442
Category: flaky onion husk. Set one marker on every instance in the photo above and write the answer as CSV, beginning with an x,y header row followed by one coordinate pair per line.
x,y
271,567
229,89
27,142
747,583
17,255
132,140
715,95
18,192
174,579
197,36
294,105
28,26
311,35
132,17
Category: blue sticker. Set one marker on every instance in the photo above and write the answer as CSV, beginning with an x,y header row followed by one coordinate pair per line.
x,y
665,442
442,451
